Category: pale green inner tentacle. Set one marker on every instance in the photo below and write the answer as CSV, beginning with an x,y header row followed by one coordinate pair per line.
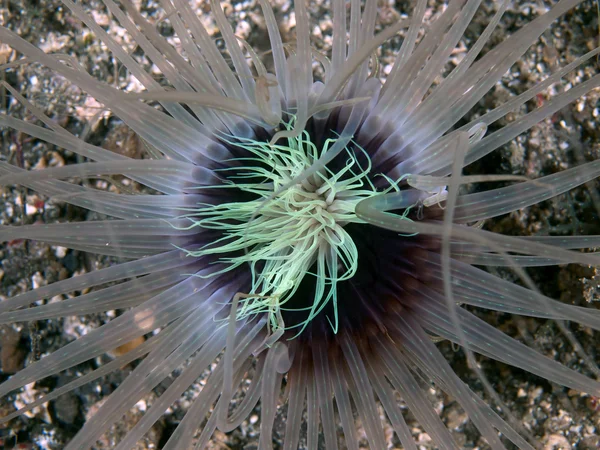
x,y
299,230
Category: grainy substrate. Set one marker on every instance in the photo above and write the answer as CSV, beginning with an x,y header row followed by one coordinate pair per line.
x,y
558,417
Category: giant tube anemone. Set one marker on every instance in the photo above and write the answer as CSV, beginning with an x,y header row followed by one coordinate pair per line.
x,y
308,238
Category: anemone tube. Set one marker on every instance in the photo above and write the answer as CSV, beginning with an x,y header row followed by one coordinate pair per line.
x,y
304,231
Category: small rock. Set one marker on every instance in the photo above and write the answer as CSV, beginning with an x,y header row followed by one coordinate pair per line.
x,y
12,351
557,442
66,409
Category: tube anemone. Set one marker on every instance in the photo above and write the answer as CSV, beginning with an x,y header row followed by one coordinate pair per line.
x,y
307,229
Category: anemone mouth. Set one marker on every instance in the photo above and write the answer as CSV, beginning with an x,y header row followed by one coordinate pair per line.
x,y
317,269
